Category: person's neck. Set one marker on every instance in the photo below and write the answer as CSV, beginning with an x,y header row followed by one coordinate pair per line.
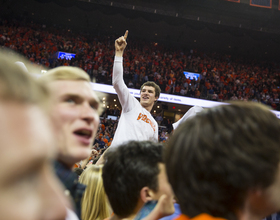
x,y
148,108
66,165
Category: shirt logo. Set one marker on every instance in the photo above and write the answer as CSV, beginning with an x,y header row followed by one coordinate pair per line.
x,y
145,119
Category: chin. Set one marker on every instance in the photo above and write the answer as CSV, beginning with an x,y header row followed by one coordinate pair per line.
x,y
144,103
82,152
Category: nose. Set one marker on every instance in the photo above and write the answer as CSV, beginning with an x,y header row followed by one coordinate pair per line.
x,y
145,92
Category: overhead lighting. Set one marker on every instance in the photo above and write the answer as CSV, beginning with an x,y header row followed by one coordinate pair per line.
x,y
158,106
115,100
104,98
115,105
108,106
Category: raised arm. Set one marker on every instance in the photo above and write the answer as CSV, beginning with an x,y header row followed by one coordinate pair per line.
x,y
126,100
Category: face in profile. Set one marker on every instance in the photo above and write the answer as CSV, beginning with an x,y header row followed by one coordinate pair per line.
x,y
28,187
76,110
164,187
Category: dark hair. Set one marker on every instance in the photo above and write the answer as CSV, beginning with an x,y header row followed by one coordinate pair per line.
x,y
215,158
127,169
153,84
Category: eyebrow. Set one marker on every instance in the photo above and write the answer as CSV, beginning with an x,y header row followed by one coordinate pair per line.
x,y
92,99
74,96
95,101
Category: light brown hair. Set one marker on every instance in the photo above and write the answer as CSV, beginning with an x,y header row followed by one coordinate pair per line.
x,y
65,73
152,84
17,85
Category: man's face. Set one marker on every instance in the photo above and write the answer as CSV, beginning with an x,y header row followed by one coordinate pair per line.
x,y
76,110
164,187
28,186
147,96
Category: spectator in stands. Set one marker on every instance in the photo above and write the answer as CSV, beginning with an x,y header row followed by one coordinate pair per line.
x,y
95,204
155,64
239,181
29,188
159,118
138,174
76,108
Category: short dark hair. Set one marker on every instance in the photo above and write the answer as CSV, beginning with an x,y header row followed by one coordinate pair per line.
x,y
127,169
216,157
153,84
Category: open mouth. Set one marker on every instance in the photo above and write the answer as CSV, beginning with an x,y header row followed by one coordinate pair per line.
x,y
83,135
145,98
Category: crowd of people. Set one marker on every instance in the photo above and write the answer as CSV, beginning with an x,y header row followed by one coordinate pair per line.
x,y
222,77
229,153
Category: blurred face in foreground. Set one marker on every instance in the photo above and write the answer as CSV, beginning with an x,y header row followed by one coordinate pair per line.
x,y
28,187
76,109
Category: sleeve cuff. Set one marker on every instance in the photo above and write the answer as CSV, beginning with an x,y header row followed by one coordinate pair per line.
x,y
118,59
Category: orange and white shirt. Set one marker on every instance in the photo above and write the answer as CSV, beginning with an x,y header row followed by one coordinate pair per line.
x,y
135,123
202,216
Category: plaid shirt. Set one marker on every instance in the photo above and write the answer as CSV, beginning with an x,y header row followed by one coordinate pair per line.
x,y
70,182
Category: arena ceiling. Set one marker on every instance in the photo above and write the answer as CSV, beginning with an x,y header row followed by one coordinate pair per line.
x,y
207,25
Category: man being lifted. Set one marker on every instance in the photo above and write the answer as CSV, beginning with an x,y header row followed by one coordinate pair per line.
x,y
136,122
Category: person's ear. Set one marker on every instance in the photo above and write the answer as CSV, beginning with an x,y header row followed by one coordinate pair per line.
x,y
156,99
146,194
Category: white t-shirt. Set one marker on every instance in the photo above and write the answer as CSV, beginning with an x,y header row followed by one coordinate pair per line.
x,y
135,123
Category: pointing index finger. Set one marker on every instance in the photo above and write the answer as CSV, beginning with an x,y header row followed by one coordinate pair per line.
x,y
125,35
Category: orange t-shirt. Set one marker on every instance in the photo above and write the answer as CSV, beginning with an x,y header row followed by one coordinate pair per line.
x,y
198,217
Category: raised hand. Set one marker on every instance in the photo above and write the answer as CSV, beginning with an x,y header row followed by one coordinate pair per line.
x,y
120,44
